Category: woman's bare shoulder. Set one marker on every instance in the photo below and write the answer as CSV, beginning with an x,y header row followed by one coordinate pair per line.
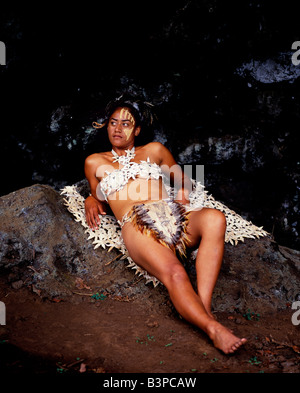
x,y
157,152
96,158
155,147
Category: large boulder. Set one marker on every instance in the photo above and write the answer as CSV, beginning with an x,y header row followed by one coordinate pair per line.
x,y
44,248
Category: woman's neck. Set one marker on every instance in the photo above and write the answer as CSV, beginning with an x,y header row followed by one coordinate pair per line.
x,y
122,151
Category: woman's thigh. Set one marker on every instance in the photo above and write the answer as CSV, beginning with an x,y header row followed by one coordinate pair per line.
x,y
157,259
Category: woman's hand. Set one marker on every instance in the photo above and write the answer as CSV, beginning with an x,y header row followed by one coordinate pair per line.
x,y
183,196
93,208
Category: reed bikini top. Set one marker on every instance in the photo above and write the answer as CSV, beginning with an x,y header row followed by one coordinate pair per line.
x,y
117,179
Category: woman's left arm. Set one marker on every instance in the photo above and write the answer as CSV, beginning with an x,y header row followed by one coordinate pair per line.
x,y
177,177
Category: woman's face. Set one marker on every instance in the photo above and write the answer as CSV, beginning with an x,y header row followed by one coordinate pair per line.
x,y
121,127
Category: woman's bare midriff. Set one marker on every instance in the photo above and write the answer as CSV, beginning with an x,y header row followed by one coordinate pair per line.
x,y
136,191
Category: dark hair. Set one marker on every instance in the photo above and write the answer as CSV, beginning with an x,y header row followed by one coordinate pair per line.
x,y
133,109
141,111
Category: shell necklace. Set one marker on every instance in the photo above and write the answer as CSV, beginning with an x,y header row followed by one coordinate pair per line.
x,y
124,160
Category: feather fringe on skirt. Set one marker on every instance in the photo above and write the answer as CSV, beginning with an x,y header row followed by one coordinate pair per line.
x,y
165,221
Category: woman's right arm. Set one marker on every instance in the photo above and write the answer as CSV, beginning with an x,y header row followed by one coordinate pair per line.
x,y
93,206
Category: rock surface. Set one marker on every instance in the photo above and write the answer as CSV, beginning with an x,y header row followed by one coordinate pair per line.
x,y
43,248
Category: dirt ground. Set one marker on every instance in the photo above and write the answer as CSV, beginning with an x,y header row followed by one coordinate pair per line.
x,y
100,334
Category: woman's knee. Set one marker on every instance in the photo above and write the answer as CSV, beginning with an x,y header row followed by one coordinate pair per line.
x,y
219,219
215,221
174,275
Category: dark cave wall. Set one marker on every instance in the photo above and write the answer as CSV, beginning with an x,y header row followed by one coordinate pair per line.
x,y
219,73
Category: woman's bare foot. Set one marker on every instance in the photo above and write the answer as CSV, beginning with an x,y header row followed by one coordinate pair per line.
x,y
223,338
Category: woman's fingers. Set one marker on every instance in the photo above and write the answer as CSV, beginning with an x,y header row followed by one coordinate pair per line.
x,y
93,209
101,210
93,218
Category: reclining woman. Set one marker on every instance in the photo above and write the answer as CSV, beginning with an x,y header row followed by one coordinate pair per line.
x,y
129,180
